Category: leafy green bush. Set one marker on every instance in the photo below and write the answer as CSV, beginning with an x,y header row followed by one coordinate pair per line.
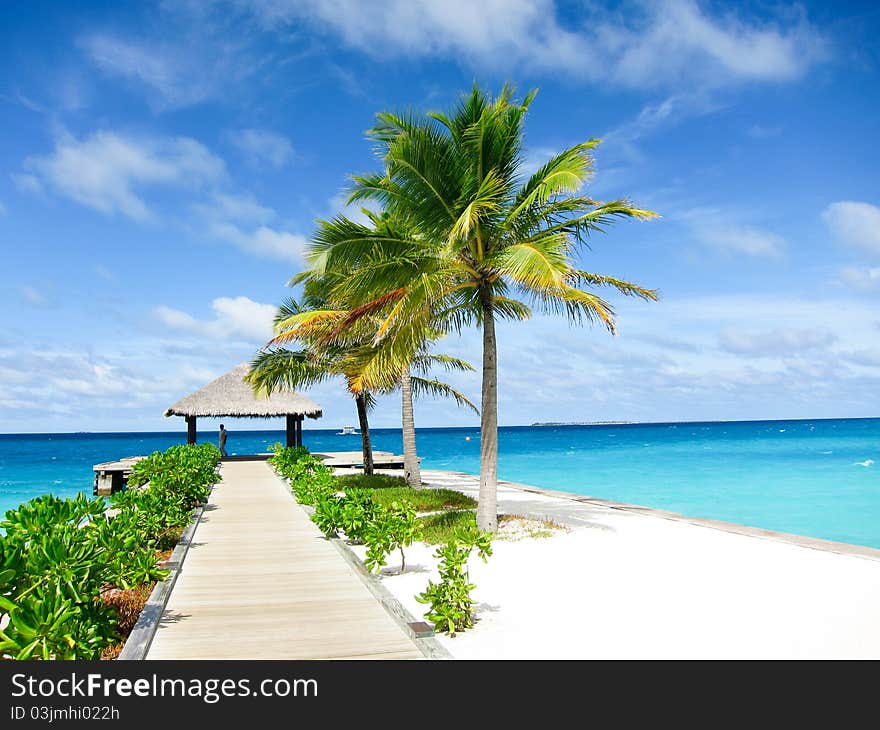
x,y
309,478
184,473
451,605
59,557
329,508
391,528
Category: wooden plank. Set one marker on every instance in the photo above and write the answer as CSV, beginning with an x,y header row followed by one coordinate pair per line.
x,y
256,562
138,642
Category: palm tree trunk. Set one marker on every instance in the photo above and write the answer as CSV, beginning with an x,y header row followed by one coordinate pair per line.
x,y
487,506
413,472
361,401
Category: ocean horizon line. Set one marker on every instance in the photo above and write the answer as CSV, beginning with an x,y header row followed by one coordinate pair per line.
x,y
543,424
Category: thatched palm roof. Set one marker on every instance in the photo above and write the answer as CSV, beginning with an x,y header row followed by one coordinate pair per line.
x,y
229,395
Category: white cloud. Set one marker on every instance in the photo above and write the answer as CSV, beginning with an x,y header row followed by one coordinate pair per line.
x,y
62,389
139,62
861,279
262,241
242,208
715,229
680,40
183,64
642,45
109,171
775,342
234,317
656,116
855,224
263,146
749,241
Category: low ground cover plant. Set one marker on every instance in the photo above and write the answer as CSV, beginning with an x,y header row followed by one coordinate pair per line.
x,y
379,511
450,605
69,568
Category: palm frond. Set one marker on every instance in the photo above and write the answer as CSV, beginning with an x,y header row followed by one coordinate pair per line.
x,y
437,389
282,368
580,278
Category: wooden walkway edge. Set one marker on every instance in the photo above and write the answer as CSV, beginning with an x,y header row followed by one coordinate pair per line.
x,y
261,582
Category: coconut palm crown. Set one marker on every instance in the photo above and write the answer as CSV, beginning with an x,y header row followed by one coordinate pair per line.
x,y
477,239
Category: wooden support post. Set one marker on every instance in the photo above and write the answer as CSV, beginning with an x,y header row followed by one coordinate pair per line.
x,y
190,429
291,430
299,430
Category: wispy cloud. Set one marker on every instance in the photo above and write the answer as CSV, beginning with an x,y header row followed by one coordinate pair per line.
x,y
775,342
33,297
234,318
188,60
241,207
263,147
262,241
861,278
855,224
110,172
655,117
641,45
717,230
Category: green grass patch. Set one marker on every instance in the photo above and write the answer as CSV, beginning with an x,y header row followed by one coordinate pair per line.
x,y
424,500
370,481
437,529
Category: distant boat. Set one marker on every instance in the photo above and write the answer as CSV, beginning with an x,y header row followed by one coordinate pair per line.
x,y
347,431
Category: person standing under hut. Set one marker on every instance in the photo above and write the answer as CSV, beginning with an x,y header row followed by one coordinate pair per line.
x,y
223,434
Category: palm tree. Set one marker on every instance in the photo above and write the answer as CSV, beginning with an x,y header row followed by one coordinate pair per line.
x,y
353,282
482,240
351,354
276,367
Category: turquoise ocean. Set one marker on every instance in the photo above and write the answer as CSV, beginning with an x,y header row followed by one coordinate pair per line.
x,y
819,478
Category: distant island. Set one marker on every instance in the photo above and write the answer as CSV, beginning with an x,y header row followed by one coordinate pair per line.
x,y
584,423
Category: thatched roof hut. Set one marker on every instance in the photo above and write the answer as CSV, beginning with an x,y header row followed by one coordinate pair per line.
x,y
230,396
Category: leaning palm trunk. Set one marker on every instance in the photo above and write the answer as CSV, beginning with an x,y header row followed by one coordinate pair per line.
x,y
411,466
361,400
487,507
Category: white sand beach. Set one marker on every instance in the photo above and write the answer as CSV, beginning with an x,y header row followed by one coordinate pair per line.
x,y
626,584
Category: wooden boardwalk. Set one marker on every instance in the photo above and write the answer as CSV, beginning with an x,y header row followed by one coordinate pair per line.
x,y
260,582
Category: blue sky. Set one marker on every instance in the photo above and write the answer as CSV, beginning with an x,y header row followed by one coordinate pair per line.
x,y
162,166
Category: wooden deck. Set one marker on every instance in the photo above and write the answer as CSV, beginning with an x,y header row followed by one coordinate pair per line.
x,y
349,459
260,582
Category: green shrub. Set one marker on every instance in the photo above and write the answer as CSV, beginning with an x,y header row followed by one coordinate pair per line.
x,y
309,478
329,508
59,557
450,603
391,528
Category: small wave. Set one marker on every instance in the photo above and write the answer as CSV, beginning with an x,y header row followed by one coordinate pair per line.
x,y
781,430
826,452
866,462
